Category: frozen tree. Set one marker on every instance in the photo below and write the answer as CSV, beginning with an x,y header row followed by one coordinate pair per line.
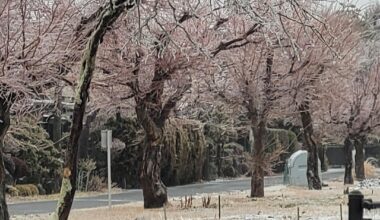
x,y
289,32
319,55
152,59
105,18
34,39
353,103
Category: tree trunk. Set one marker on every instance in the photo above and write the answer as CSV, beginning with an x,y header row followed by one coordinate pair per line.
x,y
257,179
154,190
219,158
4,215
69,180
348,161
359,142
312,172
107,17
152,114
57,122
57,130
84,142
85,135
4,125
322,157
206,165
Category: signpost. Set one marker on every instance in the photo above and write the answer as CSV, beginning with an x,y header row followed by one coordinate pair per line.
x,y
106,140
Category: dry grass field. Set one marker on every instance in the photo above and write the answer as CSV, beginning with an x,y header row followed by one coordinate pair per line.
x,y
18,199
280,202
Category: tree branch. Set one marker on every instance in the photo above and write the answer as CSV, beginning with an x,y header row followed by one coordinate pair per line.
x,y
230,44
172,101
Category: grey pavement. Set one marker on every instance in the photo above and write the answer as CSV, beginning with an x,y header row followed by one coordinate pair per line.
x,y
134,195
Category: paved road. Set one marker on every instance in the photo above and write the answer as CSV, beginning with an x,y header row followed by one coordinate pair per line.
x,y
136,194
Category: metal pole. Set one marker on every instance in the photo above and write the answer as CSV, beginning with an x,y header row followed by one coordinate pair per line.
x,y
355,205
109,146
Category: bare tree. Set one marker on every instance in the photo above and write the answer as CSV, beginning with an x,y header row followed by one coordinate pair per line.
x,y
321,54
34,35
252,83
355,105
109,13
163,60
350,101
289,30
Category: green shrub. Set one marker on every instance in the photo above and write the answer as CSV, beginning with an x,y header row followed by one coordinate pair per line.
x,y
28,141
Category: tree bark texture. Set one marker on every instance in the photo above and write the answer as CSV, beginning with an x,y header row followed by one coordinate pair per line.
x,y
206,165
154,190
57,122
106,18
257,179
348,161
359,142
219,158
312,172
322,157
85,135
5,105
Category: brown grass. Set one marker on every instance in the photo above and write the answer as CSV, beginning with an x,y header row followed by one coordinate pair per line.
x,y
370,167
15,198
279,201
27,190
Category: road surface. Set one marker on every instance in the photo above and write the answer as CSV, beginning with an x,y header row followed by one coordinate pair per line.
x,y
134,195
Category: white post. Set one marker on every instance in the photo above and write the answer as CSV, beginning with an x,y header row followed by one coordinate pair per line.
x,y
109,146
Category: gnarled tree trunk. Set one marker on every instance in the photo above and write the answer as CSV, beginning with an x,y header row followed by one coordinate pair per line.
x,y
154,190
4,125
152,113
312,172
348,161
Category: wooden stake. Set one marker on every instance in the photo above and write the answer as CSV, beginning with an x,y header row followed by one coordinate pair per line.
x,y
298,213
341,212
219,206
165,212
